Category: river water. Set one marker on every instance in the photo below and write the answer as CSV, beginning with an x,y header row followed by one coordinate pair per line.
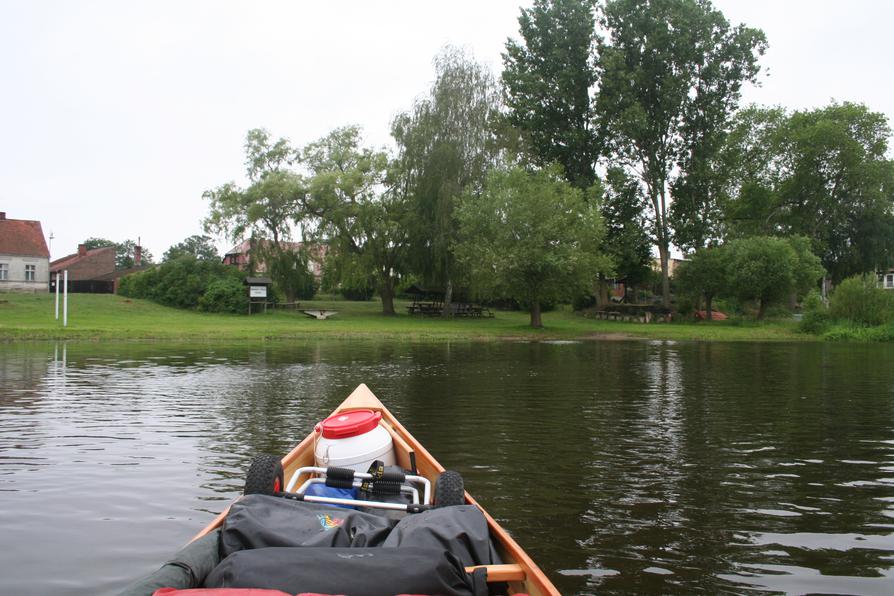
x,y
621,466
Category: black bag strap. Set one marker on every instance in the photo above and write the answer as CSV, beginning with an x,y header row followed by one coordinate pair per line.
x,y
377,471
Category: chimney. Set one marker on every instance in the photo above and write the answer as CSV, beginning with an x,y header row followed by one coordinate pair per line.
x,y
137,255
2,215
82,250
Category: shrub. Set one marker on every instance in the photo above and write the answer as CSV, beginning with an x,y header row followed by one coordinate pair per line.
x,y
813,301
860,301
685,305
882,333
583,301
815,322
179,283
224,295
816,318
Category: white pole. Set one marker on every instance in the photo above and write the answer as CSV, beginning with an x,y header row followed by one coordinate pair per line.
x,y
57,295
65,302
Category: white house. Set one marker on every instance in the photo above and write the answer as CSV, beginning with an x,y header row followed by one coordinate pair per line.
x,y
886,279
24,258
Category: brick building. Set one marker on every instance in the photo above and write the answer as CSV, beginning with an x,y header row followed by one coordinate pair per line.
x,y
87,269
24,257
246,257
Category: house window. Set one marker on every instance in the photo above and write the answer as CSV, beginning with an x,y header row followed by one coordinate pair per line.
x,y
30,272
889,280
4,272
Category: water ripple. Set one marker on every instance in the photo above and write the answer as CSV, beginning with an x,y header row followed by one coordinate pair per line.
x,y
622,467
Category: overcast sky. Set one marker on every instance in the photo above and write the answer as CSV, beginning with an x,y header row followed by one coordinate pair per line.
x,y
116,116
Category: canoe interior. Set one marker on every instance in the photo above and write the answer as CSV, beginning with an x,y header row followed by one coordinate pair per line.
x,y
518,563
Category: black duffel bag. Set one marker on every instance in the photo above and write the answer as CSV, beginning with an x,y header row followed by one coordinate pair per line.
x,y
261,521
460,529
349,571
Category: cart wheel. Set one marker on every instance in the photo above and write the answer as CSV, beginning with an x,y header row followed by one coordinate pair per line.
x,y
265,476
449,489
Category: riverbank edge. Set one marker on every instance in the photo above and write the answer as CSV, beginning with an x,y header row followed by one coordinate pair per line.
x,y
27,318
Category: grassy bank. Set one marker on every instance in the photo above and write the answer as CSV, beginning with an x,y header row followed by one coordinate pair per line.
x,y
97,316
843,331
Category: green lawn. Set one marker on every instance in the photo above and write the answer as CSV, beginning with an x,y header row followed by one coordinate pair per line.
x,y
102,316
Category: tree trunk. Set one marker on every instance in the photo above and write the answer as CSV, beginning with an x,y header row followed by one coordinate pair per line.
x,y
536,321
664,255
448,299
708,312
386,291
762,310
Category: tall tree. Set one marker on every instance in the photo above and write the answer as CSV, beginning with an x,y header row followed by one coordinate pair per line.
x,y
839,190
626,237
753,146
125,252
531,236
823,174
268,208
196,247
547,80
446,144
362,212
669,71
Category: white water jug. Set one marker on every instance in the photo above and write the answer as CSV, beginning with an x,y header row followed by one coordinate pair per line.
x,y
353,440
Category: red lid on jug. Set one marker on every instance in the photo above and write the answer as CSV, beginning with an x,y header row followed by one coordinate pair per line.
x,y
350,424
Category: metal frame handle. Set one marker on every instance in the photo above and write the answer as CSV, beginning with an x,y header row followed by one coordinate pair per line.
x,y
359,477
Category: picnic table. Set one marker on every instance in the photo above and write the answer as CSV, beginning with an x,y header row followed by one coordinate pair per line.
x,y
426,309
457,309
286,305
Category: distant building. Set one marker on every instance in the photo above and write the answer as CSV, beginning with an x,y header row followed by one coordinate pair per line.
x,y
886,279
245,256
24,257
86,269
672,265
93,271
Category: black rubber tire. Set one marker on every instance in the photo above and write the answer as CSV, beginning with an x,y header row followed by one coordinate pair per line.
x,y
265,476
450,489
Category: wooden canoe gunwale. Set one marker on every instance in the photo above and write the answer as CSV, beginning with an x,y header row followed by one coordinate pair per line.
x,y
520,571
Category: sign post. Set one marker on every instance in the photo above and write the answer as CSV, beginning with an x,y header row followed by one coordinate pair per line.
x,y
257,294
65,301
257,291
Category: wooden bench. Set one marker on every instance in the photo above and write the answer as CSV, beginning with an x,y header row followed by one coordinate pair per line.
x,y
287,305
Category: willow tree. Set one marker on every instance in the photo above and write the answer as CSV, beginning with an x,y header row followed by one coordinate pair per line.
x,y
361,213
446,144
670,71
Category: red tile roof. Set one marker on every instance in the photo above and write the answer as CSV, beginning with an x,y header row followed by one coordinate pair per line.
x,y
22,237
69,260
